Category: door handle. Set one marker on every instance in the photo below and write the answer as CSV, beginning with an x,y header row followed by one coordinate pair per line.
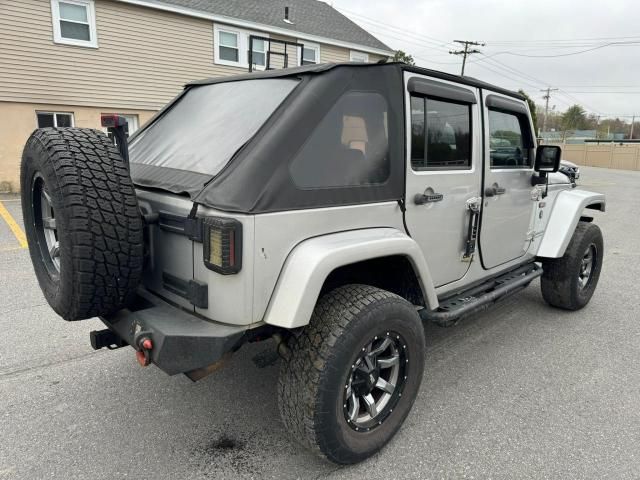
x,y
421,198
494,190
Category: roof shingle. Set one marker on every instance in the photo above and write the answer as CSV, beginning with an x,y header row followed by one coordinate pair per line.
x,y
312,17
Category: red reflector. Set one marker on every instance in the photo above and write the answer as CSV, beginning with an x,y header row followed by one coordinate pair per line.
x,y
147,344
143,360
109,120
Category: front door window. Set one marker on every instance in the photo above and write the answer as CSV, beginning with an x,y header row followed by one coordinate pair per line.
x,y
506,141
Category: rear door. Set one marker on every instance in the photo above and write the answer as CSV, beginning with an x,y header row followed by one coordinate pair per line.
x,y
443,170
508,205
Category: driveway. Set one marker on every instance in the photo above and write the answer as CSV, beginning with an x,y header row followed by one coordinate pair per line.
x,y
519,391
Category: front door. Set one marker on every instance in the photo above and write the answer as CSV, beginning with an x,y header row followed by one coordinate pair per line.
x,y
507,209
443,171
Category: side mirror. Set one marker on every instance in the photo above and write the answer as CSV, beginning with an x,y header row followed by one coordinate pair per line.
x,y
547,158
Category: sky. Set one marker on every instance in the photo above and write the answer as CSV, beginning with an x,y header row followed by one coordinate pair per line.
x,y
521,38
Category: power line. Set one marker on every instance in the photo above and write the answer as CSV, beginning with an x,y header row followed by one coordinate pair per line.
x,y
433,43
424,38
517,72
466,52
556,40
566,54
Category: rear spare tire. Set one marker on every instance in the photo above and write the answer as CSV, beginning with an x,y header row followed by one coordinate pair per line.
x,y
82,221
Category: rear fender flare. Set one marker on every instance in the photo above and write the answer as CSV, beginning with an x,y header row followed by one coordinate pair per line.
x,y
565,215
311,261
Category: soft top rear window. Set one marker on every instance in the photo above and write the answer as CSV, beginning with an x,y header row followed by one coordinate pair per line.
x,y
208,124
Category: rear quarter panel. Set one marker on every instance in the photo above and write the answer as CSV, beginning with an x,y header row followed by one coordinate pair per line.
x,y
276,234
230,296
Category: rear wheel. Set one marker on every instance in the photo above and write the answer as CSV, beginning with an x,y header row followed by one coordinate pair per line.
x,y
570,281
82,221
353,374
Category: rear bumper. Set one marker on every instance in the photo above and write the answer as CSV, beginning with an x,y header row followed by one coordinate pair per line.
x,y
182,342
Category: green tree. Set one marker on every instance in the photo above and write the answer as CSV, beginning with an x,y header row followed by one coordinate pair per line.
x,y
403,57
575,118
532,108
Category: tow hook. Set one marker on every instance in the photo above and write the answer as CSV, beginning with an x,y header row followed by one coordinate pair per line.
x,y
144,354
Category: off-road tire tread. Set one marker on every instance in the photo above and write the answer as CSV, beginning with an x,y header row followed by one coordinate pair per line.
x,y
556,280
301,374
102,218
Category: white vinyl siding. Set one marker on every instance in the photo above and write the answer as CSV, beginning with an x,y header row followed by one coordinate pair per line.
x,y
74,22
115,77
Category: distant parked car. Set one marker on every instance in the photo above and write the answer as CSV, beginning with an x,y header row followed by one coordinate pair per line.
x,y
571,170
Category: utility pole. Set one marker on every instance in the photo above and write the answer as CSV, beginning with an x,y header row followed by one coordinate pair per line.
x,y
546,96
633,120
466,52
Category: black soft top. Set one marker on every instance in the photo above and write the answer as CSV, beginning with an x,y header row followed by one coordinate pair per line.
x,y
258,177
324,67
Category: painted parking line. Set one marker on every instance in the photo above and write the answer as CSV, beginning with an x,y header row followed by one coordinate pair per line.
x,y
13,226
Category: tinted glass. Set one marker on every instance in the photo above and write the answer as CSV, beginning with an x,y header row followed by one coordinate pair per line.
x,y
201,132
440,135
350,146
507,148
45,120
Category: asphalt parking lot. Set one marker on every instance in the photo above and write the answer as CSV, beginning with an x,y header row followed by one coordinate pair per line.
x,y
521,391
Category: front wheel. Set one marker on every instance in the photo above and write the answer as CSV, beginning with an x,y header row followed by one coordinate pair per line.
x,y
353,374
569,282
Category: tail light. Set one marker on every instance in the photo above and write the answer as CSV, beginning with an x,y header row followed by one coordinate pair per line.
x,y
222,245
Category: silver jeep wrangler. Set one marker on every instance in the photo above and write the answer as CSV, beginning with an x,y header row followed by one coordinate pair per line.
x,y
330,207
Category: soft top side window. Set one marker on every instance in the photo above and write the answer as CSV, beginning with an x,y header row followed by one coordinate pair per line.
x,y
440,134
509,140
349,147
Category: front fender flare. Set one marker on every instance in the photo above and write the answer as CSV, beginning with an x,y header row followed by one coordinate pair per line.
x,y
311,261
564,217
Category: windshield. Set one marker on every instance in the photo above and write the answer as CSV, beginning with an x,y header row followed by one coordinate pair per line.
x,y
202,131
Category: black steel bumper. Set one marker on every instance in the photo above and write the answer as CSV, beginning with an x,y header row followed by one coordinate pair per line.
x,y
182,342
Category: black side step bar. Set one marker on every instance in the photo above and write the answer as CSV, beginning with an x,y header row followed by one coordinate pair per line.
x,y
481,296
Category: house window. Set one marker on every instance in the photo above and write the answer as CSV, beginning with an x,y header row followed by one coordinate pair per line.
x,y
259,57
310,53
54,119
358,56
228,46
74,22
231,47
